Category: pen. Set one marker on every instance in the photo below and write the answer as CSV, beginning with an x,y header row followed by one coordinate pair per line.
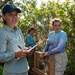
x,y
27,51
18,57
19,47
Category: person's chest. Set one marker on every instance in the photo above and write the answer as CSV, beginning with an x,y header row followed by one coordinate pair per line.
x,y
13,40
54,38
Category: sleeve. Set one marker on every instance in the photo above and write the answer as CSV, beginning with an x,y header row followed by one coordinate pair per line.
x,y
46,48
22,36
4,55
61,44
30,41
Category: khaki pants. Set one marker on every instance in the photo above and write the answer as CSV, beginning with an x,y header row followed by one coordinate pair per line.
x,y
60,63
17,73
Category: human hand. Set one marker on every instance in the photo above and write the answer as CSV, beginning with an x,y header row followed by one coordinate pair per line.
x,y
42,54
32,51
20,54
46,53
28,51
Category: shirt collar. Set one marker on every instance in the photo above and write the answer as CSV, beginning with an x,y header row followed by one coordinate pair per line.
x,y
7,28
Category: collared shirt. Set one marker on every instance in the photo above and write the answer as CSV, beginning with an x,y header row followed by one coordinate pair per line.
x,y
30,40
9,41
56,42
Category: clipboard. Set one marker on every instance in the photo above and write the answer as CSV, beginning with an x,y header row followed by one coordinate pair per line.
x,y
34,46
27,51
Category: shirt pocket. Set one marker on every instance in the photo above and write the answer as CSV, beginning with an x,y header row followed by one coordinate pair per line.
x,y
12,45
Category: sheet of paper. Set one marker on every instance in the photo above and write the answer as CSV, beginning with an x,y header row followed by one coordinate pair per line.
x,y
34,46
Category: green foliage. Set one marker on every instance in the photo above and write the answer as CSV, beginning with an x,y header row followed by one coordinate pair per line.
x,y
71,64
1,70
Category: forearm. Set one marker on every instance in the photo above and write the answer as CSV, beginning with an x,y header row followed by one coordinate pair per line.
x,y
58,49
46,48
6,57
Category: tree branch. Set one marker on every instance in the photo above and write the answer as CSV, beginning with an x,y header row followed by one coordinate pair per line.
x,y
2,3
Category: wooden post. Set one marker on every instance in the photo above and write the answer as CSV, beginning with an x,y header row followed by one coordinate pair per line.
x,y
51,65
36,69
35,62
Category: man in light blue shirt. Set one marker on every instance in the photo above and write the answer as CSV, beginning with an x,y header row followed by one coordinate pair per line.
x,y
12,45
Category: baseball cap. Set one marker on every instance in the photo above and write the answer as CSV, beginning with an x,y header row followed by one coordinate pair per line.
x,y
9,7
